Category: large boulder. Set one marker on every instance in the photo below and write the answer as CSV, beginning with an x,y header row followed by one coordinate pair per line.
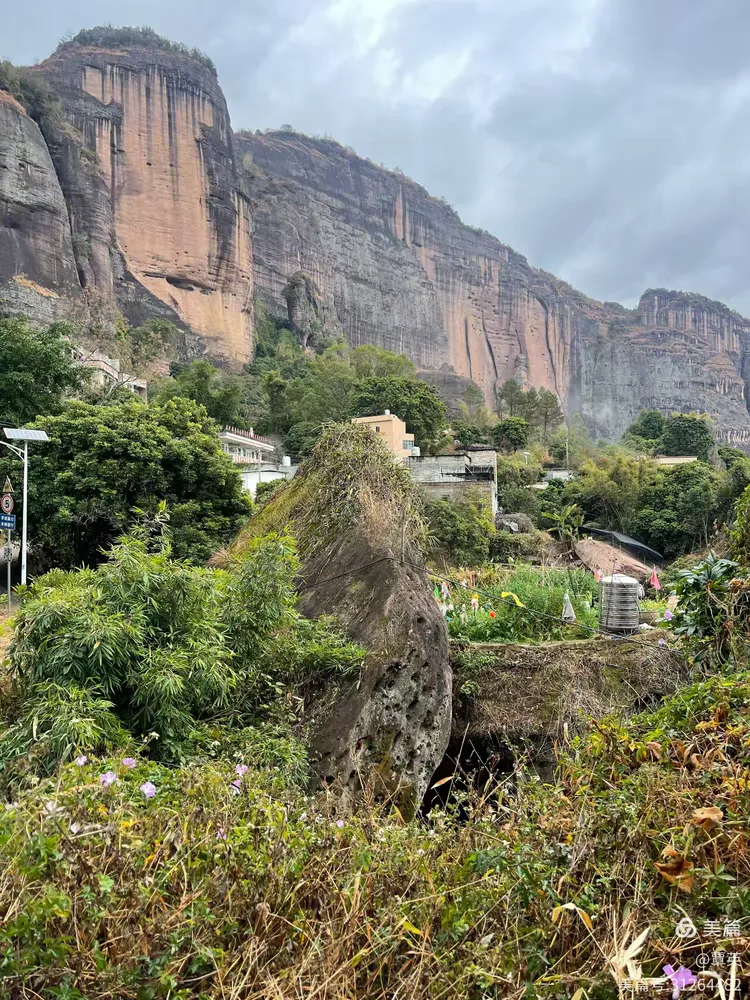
x,y
354,512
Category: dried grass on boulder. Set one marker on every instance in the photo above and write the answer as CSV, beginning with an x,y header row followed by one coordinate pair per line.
x,y
528,696
356,516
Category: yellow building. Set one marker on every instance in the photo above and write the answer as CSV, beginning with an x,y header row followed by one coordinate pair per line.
x,y
393,432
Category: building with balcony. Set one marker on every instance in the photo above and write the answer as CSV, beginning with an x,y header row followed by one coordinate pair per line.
x,y
245,447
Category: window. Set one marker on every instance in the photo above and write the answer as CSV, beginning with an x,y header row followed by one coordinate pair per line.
x,y
377,429
408,445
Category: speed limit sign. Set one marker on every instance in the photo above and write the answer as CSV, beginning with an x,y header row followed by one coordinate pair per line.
x,y
6,503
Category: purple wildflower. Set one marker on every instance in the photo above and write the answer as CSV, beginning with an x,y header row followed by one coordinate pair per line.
x,y
241,769
75,828
236,786
80,761
662,642
221,833
130,762
668,616
148,789
340,824
108,778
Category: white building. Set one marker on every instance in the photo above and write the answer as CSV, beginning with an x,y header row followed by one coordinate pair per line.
x,y
245,447
255,454
267,472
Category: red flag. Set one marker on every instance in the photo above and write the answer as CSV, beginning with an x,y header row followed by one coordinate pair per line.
x,y
654,581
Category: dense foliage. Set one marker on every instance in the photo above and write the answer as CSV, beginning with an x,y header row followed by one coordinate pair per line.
x,y
220,393
102,462
36,370
678,434
674,510
460,530
31,91
415,402
195,891
147,647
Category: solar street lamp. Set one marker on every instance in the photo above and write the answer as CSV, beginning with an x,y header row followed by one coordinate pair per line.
x,y
24,434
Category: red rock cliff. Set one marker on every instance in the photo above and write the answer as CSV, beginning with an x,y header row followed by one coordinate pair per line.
x,y
167,193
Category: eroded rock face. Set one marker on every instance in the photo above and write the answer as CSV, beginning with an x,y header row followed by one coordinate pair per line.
x,y
402,271
37,267
157,193
307,310
390,728
149,174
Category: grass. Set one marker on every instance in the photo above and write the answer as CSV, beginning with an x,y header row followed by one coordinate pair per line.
x,y
541,591
200,893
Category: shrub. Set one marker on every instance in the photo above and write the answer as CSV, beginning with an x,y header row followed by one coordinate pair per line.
x,y
109,894
107,36
460,530
264,492
505,545
148,646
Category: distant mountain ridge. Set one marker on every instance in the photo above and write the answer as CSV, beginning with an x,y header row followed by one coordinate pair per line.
x,y
137,191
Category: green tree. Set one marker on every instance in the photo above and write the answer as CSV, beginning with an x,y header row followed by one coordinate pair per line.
x,y
678,508
460,530
369,361
102,462
572,444
687,434
512,399
511,434
549,415
566,523
36,370
221,393
415,402
648,427
468,433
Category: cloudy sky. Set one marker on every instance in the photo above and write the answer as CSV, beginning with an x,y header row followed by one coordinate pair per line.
x,y
608,140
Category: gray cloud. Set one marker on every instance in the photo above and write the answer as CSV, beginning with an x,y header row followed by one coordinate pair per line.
x,y
606,139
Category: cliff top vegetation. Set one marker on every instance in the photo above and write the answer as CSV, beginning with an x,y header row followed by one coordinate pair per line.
x,y
108,36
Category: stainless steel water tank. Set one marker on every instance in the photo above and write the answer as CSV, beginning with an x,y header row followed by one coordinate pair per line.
x,y
620,613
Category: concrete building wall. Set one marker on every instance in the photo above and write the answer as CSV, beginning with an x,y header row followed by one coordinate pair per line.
x,y
452,476
455,491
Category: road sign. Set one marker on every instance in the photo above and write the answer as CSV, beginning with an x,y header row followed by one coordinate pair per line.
x,y
6,503
8,488
8,521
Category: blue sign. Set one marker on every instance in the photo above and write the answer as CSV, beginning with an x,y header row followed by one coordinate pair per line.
x,y
8,521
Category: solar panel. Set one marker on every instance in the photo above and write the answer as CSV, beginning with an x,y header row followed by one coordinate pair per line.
x,y
25,434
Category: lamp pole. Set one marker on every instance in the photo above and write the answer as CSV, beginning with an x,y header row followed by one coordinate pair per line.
x,y
25,511
24,434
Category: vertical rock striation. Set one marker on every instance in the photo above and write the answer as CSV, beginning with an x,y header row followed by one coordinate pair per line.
x,y
37,267
157,208
147,166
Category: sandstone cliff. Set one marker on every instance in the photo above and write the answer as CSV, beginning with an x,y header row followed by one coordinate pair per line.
x,y
155,206
398,268
146,164
37,267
